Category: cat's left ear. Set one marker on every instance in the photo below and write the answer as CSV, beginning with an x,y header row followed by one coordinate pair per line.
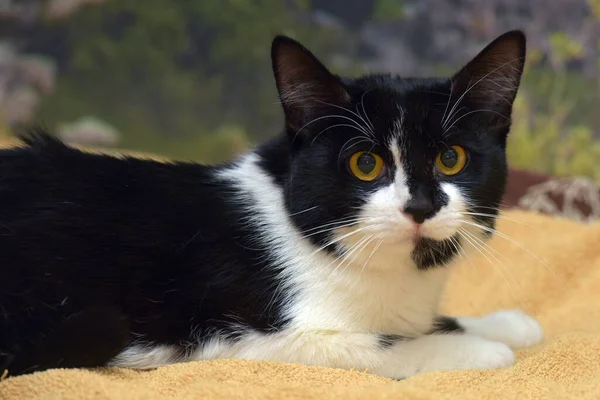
x,y
305,86
491,80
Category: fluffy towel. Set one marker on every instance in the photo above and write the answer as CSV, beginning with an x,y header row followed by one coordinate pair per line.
x,y
561,289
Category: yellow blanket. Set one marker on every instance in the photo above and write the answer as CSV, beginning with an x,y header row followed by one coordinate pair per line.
x,y
561,289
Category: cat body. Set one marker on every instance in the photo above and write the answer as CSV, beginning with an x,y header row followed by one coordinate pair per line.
x,y
327,245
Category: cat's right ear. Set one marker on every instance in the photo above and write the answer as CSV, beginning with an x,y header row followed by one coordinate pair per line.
x,y
305,86
491,80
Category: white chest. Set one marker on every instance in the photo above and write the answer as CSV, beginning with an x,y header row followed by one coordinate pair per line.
x,y
402,300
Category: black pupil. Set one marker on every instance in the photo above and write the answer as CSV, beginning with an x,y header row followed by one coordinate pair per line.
x,y
449,158
366,163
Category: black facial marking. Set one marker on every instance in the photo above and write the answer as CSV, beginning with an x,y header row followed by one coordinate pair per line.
x,y
430,253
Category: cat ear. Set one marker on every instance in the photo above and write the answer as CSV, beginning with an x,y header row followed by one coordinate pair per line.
x,y
492,78
304,84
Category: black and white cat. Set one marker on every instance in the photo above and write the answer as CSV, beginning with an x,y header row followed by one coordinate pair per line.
x,y
328,245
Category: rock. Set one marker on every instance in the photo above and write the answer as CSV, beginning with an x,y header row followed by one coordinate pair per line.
x,y
20,106
58,9
89,131
22,78
38,71
448,32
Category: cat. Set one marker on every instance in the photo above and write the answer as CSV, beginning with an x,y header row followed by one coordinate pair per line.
x,y
327,245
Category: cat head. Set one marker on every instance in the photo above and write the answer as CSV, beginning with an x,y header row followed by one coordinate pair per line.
x,y
403,167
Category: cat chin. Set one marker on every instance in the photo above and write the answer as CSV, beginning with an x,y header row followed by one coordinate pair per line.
x,y
394,253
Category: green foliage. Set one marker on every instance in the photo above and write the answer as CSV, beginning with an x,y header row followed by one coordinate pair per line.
x,y
166,74
386,10
4,132
554,116
543,143
180,79
595,8
564,48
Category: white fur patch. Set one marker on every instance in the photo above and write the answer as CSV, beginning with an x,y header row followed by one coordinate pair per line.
x,y
145,357
442,353
362,351
448,220
354,296
512,327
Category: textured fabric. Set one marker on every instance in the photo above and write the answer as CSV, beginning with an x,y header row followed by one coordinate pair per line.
x,y
575,198
561,289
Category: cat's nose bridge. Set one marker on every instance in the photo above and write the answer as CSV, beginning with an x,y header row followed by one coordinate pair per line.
x,y
421,204
418,209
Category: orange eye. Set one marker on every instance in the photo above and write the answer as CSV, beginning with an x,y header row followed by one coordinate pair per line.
x,y
451,161
366,166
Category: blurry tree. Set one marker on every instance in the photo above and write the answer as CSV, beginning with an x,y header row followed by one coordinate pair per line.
x,y
171,73
192,79
388,10
546,136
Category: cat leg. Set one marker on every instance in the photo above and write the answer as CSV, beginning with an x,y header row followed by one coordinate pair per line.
x,y
455,344
385,355
512,327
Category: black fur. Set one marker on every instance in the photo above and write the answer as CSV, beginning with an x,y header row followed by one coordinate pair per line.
x,y
387,341
97,251
446,325
151,250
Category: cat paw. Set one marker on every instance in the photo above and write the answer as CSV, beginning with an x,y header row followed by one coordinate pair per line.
x,y
474,353
490,355
512,327
444,353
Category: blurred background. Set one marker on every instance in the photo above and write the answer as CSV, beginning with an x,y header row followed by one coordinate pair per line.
x,y
191,79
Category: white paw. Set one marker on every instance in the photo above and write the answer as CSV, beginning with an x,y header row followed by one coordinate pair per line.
x,y
489,355
449,352
512,327
471,352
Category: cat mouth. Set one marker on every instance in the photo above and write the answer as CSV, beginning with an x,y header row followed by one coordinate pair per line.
x,y
410,239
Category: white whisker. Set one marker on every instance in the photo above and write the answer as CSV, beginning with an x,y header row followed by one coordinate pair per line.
x,y
303,211
448,103
469,113
362,104
361,140
469,87
493,253
349,253
370,256
336,222
331,227
336,126
367,127
337,240
499,216
474,245
361,129
516,243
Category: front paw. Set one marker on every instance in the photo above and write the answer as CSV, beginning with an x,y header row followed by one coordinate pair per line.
x,y
513,327
477,354
444,353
